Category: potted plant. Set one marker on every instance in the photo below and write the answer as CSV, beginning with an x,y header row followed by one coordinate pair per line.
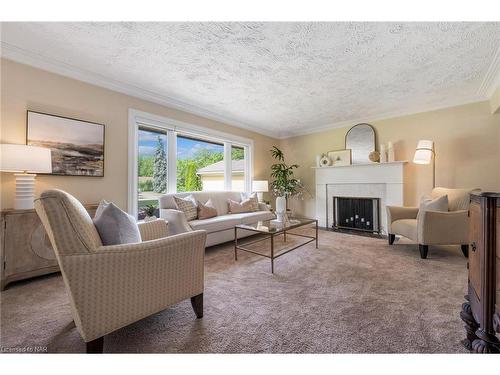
x,y
149,212
284,185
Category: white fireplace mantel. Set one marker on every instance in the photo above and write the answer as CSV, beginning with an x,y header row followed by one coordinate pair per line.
x,y
374,180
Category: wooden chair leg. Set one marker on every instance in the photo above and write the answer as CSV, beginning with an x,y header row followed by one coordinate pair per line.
x,y
95,346
391,238
197,303
465,250
423,250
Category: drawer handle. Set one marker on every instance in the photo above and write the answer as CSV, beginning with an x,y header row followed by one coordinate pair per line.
x,y
473,245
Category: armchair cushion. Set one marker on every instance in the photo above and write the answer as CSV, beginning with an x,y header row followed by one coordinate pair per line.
x,y
438,204
458,199
405,227
115,226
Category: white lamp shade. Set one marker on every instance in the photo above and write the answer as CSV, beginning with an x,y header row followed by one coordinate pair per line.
x,y
261,186
23,158
423,153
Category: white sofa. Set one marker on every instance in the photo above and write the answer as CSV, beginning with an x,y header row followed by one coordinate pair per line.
x,y
220,228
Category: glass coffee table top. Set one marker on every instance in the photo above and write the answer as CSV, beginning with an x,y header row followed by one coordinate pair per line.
x,y
271,227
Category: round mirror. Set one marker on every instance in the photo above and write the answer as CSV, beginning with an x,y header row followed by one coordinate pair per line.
x,y
361,140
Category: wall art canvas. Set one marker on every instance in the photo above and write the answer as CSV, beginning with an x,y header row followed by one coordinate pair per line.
x,y
340,157
77,146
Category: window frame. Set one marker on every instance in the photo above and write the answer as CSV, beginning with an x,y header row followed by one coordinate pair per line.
x,y
173,128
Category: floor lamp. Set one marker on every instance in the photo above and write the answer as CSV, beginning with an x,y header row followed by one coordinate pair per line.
x,y
425,154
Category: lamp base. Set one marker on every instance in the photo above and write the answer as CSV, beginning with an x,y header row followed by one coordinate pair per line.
x,y
25,191
260,197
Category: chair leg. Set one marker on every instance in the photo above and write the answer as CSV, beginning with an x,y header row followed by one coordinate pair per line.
x,y
465,250
197,303
391,238
423,250
95,346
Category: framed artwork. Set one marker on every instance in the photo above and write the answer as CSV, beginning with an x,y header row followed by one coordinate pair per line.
x,y
77,146
340,157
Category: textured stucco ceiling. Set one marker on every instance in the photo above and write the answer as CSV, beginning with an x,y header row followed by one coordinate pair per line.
x,y
277,78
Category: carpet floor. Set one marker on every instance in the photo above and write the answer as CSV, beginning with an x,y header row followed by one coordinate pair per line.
x,y
352,295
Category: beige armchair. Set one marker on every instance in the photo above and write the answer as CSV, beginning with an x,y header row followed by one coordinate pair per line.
x,y
433,227
110,287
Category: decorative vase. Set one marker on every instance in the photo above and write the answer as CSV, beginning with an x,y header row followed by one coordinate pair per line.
x,y
325,161
390,152
383,154
281,209
149,218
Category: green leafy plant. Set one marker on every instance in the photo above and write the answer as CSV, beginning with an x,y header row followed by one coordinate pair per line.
x,y
284,183
149,210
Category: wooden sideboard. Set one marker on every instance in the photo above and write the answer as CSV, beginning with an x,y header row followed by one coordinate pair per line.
x,y
481,311
25,247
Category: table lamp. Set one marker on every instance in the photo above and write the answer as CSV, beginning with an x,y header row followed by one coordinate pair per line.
x,y
25,161
425,154
260,187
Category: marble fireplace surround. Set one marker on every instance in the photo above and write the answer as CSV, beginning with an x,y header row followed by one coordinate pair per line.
x,y
374,180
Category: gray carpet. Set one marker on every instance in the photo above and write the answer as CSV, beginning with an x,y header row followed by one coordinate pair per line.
x,y
352,295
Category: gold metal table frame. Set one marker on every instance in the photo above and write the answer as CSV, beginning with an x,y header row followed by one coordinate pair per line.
x,y
267,234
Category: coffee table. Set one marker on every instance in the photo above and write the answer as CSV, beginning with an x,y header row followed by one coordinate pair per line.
x,y
269,230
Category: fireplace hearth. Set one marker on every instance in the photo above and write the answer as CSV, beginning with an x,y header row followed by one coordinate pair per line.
x,y
356,213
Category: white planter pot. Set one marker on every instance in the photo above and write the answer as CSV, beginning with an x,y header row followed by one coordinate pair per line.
x,y
280,208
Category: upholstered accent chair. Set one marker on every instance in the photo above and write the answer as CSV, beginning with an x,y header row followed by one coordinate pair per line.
x,y
110,287
433,227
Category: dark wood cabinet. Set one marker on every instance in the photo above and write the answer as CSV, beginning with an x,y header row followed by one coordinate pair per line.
x,y
481,311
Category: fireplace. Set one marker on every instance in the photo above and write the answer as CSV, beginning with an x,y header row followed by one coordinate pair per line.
x,y
356,213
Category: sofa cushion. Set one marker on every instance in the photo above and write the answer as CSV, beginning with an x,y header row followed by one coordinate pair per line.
x,y
253,217
215,224
253,198
207,210
219,199
405,227
239,207
188,206
115,227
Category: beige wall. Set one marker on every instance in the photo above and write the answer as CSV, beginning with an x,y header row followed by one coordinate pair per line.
x,y
24,87
467,140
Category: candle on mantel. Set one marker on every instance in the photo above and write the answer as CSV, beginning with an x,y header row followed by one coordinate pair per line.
x,y
383,154
390,152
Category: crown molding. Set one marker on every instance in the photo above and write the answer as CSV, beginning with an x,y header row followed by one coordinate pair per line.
x,y
36,60
380,117
491,79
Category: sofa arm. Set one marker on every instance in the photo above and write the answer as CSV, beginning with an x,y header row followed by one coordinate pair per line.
x,y
443,228
177,222
398,213
120,284
154,229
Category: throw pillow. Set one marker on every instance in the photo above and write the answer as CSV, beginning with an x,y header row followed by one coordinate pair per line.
x,y
115,227
188,206
253,198
237,207
207,210
438,204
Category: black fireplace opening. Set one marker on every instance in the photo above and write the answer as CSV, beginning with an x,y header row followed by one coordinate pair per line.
x,y
356,213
